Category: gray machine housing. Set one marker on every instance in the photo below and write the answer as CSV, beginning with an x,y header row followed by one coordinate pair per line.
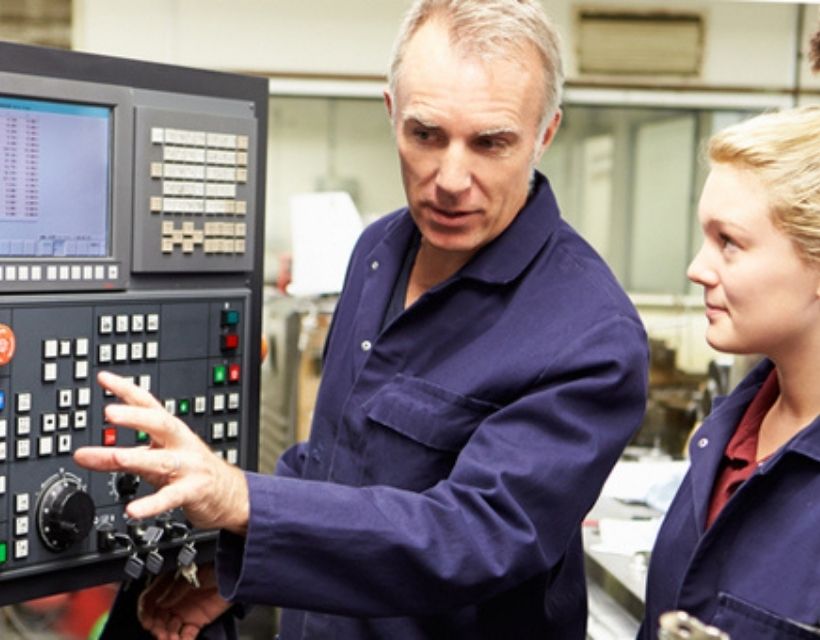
x,y
175,304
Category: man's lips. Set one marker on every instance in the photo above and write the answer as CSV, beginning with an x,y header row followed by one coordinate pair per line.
x,y
450,213
444,215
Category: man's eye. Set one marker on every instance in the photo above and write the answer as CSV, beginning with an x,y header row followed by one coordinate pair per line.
x,y
492,144
422,134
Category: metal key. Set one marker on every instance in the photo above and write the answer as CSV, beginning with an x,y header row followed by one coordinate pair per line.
x,y
679,625
189,573
187,567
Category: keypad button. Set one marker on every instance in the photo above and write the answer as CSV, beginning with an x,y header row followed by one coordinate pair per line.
x,y
104,353
23,402
20,549
137,323
45,446
23,448
80,419
48,422
49,371
21,503
49,349
83,397
65,398
81,369
23,425
21,526
64,443
121,324
106,325
81,347
121,352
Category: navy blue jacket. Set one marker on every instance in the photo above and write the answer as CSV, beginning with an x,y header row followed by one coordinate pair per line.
x,y
755,573
454,454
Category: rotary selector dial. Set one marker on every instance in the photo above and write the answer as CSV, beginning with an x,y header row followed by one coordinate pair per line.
x,y
65,512
126,485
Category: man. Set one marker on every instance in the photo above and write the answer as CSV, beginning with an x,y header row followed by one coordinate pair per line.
x,y
483,373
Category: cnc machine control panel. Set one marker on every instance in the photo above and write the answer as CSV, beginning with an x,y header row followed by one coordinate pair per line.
x,y
130,241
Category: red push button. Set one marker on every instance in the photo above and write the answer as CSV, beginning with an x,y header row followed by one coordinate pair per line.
x,y
109,437
233,373
230,341
7,344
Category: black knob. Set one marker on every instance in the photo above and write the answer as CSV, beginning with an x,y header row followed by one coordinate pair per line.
x,y
65,514
127,485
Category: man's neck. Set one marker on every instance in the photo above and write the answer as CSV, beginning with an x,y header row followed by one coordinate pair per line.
x,y
431,267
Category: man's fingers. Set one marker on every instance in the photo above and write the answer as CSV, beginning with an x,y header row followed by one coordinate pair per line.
x,y
165,499
151,463
126,390
157,423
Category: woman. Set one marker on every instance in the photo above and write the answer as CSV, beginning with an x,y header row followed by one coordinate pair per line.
x,y
740,545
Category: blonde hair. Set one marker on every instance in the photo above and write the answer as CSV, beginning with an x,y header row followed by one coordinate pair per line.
x,y
783,149
489,29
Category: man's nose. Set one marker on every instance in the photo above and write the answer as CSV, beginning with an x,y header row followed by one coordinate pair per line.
x,y
454,172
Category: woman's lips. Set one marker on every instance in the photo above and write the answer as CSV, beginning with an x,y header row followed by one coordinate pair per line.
x,y
714,311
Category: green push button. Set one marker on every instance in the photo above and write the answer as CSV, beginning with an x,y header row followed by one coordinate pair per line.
x,y
142,436
230,317
4,552
184,407
220,373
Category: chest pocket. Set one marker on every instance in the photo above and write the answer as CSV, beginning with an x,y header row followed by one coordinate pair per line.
x,y
416,431
741,619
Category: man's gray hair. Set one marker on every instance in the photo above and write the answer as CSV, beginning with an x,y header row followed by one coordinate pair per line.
x,y
490,29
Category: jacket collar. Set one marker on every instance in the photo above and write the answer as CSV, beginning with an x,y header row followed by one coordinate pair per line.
x,y
506,257
709,442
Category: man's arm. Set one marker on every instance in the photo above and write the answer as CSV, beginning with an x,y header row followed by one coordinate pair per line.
x,y
510,508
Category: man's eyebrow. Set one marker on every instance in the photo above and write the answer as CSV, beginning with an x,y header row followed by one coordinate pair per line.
x,y
413,118
497,131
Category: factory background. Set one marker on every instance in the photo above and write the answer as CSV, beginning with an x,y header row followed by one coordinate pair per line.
x,y
647,82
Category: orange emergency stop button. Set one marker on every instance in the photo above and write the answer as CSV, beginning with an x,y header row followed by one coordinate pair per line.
x,y
7,344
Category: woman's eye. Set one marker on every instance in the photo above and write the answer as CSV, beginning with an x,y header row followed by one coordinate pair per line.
x,y
726,242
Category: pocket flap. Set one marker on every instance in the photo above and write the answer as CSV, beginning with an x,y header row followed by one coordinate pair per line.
x,y
427,413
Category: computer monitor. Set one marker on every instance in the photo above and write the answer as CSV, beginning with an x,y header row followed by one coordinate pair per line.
x,y
55,179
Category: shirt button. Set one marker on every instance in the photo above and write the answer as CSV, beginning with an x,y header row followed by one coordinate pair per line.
x,y
367,345
703,443
374,265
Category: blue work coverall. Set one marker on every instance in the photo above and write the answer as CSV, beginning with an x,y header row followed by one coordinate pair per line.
x,y
755,573
454,453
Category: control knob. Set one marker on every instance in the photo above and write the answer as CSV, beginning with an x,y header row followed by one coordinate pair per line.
x,y
126,485
65,512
